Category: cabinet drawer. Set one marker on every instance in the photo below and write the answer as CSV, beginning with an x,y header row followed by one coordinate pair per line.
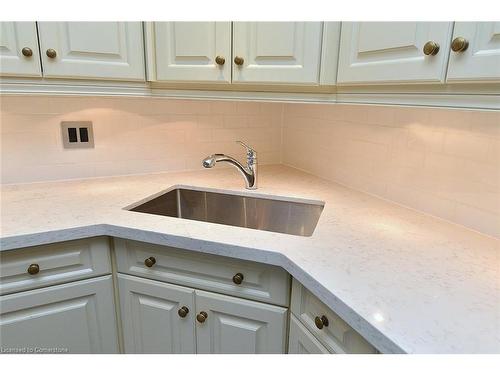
x,y
301,341
57,263
204,271
337,336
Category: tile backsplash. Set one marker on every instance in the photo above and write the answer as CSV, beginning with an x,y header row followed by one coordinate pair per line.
x,y
445,162
131,135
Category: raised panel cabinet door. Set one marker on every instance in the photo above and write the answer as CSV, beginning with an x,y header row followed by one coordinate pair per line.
x,y
93,50
19,53
392,52
156,317
77,317
193,51
277,52
480,60
301,341
229,325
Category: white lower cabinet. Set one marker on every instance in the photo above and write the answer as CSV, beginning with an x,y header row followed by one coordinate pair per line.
x,y
151,316
325,325
163,318
237,326
77,317
301,341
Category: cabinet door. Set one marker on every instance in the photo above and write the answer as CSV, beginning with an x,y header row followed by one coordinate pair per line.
x,y
14,36
101,50
301,341
77,317
392,52
277,52
187,51
481,60
238,326
150,316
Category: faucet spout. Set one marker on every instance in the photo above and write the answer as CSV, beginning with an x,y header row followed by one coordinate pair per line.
x,y
249,172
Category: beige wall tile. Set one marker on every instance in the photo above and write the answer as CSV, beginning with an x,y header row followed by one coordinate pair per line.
x,y
132,135
441,161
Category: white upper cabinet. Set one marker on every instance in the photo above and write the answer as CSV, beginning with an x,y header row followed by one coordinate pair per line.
x,y
277,52
475,54
100,50
19,54
393,52
192,51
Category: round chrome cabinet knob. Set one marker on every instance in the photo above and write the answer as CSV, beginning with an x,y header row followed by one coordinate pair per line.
x,y
459,44
239,60
321,322
219,60
51,53
183,311
201,317
238,278
27,52
33,269
150,262
431,48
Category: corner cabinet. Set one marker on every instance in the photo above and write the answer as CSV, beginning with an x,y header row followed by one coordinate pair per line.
x,y
393,52
19,54
314,328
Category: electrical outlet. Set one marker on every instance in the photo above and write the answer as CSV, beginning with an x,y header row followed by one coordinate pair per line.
x,y
77,134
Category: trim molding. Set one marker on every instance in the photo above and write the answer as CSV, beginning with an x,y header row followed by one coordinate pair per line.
x,y
476,96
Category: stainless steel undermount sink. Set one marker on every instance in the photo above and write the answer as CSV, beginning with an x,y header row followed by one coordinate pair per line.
x,y
274,215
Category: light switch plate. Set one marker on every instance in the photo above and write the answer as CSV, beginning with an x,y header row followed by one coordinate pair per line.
x,y
77,134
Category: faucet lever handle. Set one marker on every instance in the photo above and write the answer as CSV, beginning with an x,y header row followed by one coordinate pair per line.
x,y
249,149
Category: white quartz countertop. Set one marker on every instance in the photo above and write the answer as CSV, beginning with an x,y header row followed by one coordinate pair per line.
x,y
406,281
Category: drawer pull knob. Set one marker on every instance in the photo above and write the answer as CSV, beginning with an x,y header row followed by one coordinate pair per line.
x,y
27,52
431,48
219,60
239,60
321,322
183,311
459,44
33,269
202,316
51,53
150,262
238,278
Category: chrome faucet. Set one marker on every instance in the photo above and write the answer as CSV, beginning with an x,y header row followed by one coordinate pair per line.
x,y
249,172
